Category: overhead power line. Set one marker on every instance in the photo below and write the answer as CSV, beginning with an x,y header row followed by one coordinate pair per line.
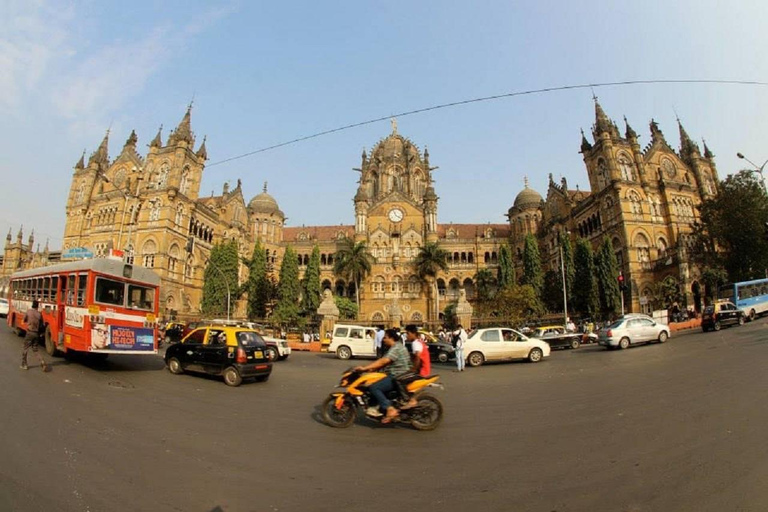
x,y
488,98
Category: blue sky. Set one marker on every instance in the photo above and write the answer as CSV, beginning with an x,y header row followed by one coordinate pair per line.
x,y
266,72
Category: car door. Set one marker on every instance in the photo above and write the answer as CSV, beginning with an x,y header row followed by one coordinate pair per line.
x,y
189,351
647,329
358,342
214,357
491,346
513,346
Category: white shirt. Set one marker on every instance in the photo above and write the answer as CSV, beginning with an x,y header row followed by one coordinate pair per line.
x,y
379,338
417,346
462,334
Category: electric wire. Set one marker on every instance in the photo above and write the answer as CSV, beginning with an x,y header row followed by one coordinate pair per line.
x,y
489,98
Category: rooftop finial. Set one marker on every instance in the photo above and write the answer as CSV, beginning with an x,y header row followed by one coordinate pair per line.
x,y
265,187
393,122
525,181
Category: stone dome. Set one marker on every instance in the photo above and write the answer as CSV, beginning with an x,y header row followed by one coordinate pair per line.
x,y
264,203
527,197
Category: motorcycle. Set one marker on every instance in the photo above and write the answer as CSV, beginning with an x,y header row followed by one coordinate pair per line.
x,y
340,409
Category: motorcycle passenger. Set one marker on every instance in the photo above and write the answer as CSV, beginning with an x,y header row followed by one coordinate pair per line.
x,y
396,363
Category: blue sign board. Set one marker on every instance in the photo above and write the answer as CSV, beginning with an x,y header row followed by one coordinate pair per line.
x,y
131,338
77,252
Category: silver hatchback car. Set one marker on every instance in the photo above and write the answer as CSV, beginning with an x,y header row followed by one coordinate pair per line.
x,y
632,329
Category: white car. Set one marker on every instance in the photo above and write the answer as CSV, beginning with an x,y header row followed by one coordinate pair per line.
x,y
4,308
503,344
353,341
631,329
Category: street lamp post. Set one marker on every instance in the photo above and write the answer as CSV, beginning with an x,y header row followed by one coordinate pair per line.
x,y
757,169
565,284
226,282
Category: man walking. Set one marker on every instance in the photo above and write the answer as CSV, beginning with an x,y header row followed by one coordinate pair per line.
x,y
34,322
379,342
460,337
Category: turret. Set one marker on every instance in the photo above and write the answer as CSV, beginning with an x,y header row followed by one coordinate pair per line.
x,y
8,238
603,125
157,142
202,152
629,133
31,239
585,145
80,165
100,157
131,141
656,134
688,149
183,132
20,234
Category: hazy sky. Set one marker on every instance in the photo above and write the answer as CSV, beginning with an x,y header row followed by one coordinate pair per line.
x,y
266,72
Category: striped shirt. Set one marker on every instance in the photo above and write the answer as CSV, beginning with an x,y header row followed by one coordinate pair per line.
x,y
401,363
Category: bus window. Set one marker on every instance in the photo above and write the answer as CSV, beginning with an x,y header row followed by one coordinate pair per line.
x,y
55,289
70,289
82,281
46,288
109,292
141,297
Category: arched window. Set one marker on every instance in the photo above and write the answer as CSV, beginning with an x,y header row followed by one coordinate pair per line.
x,y
129,256
154,212
189,268
179,215
602,174
396,286
162,176
643,250
625,167
80,193
661,246
184,184
635,203
148,253
414,285
173,258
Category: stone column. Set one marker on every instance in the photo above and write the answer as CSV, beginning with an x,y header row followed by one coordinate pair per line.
x,y
464,310
329,313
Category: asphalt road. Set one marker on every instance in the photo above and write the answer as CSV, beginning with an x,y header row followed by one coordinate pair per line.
x,y
673,427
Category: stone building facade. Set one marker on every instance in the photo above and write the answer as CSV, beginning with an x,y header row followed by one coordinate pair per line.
x,y
643,198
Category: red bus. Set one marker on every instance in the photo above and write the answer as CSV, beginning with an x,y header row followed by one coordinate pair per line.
x,y
101,306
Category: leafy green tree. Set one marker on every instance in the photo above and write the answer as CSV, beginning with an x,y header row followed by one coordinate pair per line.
x,y
666,293
220,276
430,260
311,284
532,274
565,244
259,287
288,289
515,304
713,278
607,273
347,308
506,273
552,292
485,284
731,231
586,295
353,262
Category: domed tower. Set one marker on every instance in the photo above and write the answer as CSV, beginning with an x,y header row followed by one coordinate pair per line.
x,y
524,216
266,218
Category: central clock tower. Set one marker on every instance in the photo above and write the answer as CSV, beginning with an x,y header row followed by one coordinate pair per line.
x,y
395,215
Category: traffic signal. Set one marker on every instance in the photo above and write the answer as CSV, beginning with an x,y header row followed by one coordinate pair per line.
x,y
620,278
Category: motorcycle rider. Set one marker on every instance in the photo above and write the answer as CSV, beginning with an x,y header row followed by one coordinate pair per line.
x,y
396,363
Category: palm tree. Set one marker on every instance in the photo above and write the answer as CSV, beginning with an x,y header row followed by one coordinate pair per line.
x,y
485,282
353,262
431,259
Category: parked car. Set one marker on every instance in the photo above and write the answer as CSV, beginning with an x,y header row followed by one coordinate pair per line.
x,y
4,307
235,353
173,332
720,314
558,337
439,351
277,349
632,329
501,344
353,341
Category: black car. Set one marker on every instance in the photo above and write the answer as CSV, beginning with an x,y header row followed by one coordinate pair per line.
x,y
720,314
233,352
439,351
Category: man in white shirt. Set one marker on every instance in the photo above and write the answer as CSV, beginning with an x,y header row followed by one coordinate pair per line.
x,y
378,342
460,335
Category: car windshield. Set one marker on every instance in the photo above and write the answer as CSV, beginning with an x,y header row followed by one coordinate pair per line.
x,y
250,339
616,324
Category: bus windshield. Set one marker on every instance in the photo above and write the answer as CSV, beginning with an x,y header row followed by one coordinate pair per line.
x,y
141,297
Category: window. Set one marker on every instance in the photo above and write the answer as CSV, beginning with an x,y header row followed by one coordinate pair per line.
x,y
149,251
509,335
250,339
217,337
357,334
47,289
54,288
625,166
154,212
197,336
109,292
162,176
492,335
341,332
184,181
69,289
82,281
141,297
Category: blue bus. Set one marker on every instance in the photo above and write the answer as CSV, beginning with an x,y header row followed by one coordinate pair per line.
x,y
749,296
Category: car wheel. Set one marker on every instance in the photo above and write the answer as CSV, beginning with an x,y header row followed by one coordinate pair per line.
x,y
232,377
663,336
343,352
535,355
443,357
272,354
475,359
717,326
575,344
174,366
741,319
50,345
624,343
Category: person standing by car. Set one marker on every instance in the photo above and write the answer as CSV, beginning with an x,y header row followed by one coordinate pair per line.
x,y
396,363
460,337
34,322
378,341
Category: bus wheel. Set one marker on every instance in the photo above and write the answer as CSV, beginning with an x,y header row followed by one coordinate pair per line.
x,y
50,345
752,315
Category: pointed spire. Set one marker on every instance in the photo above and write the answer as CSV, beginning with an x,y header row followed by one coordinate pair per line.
x,y
132,140
687,146
8,236
707,152
202,152
183,132
629,133
31,238
81,163
101,155
585,145
20,234
46,250
157,142
656,133
602,123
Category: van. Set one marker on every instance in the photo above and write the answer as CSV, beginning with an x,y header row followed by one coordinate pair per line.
x,y
353,341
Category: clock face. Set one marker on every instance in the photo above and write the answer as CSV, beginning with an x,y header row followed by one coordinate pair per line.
x,y
396,215
669,168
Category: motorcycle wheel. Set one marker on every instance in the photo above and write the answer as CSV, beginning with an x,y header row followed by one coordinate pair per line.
x,y
428,414
337,418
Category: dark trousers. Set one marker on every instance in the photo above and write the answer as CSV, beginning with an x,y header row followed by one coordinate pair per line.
x,y
379,391
30,341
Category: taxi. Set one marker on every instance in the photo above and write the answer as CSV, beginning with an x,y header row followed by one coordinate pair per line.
x,y
235,353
